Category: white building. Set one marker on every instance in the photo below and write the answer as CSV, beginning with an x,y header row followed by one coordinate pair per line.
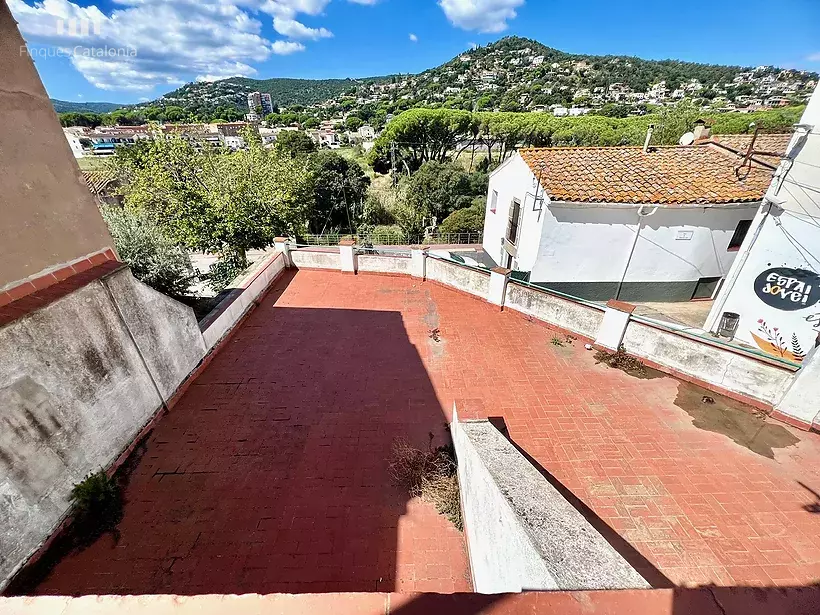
x,y
73,136
774,285
620,222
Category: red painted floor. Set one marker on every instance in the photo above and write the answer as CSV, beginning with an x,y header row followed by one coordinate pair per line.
x,y
270,474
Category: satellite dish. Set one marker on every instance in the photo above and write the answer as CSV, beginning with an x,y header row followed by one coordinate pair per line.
x,y
687,139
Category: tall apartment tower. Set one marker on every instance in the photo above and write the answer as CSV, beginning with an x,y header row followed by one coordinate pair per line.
x,y
260,101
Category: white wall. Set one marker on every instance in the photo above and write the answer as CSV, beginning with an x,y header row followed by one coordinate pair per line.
x,y
789,237
513,180
590,243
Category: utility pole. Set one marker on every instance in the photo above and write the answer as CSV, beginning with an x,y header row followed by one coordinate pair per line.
x,y
393,163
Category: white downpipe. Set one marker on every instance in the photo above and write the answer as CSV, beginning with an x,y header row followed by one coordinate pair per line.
x,y
641,216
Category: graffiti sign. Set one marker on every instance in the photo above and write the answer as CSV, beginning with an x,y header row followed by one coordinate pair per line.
x,y
788,289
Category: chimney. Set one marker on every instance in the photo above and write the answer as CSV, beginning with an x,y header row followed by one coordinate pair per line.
x,y
649,132
701,131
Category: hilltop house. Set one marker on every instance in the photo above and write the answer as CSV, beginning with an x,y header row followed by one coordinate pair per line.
x,y
655,224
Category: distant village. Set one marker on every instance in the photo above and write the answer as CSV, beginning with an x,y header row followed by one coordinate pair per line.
x,y
103,140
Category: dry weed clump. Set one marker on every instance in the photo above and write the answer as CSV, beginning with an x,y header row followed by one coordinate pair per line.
x,y
430,474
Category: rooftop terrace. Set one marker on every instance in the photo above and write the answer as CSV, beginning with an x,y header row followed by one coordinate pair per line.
x,y
270,474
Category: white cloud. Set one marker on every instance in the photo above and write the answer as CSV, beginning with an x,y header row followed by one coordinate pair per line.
x,y
481,15
149,43
414,38
161,43
285,48
365,2
293,29
815,57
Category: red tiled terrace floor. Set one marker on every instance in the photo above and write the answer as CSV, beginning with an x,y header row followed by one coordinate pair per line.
x,y
270,474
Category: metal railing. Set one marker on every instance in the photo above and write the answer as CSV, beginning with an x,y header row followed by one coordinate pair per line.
x,y
393,239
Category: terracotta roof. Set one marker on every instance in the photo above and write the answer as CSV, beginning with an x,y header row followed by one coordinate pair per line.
x,y
99,180
776,143
677,175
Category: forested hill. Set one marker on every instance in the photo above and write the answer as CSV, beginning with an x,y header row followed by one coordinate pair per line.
x,y
201,98
64,106
512,74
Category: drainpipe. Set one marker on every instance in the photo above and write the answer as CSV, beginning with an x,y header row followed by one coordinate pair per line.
x,y
641,216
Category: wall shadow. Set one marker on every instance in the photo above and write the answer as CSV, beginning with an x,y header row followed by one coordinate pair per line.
x,y
635,559
271,474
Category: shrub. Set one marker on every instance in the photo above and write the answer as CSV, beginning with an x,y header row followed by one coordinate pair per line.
x,y
226,270
97,503
391,234
153,258
467,220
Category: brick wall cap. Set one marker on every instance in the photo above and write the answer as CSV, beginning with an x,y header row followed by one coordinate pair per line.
x,y
347,242
621,306
501,270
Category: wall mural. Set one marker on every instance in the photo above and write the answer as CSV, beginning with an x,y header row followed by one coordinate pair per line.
x,y
786,290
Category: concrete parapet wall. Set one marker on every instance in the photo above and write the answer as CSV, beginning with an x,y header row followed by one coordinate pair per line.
x,y
463,278
254,287
315,259
721,367
79,379
565,313
522,534
384,264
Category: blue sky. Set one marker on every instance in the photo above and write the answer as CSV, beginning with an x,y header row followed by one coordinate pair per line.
x,y
160,44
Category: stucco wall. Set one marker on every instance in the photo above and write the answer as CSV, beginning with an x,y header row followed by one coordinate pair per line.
x,y
49,216
383,264
521,532
513,180
74,392
789,236
584,250
718,366
463,278
316,259
570,315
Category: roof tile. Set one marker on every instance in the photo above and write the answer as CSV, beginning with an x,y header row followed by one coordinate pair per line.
x,y
679,175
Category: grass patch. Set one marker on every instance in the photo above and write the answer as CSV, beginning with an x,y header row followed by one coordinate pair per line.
x,y
429,474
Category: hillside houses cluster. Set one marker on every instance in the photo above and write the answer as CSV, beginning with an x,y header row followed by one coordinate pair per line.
x,y
103,140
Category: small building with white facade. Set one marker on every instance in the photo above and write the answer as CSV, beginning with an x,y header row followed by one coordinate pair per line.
x,y
774,284
656,224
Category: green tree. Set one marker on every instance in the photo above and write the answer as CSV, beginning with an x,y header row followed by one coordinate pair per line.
x,y
353,123
466,220
339,187
294,143
210,200
437,189
310,123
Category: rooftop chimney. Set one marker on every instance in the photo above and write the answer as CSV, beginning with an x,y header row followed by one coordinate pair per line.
x,y
649,132
701,131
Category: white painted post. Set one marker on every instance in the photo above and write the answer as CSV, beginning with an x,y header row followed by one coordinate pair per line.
x,y
799,404
282,245
499,276
347,255
418,262
613,327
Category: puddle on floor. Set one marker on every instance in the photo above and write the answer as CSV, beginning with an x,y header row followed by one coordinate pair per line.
x,y
746,426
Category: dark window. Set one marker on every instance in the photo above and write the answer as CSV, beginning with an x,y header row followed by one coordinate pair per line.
x,y
706,288
740,234
514,222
